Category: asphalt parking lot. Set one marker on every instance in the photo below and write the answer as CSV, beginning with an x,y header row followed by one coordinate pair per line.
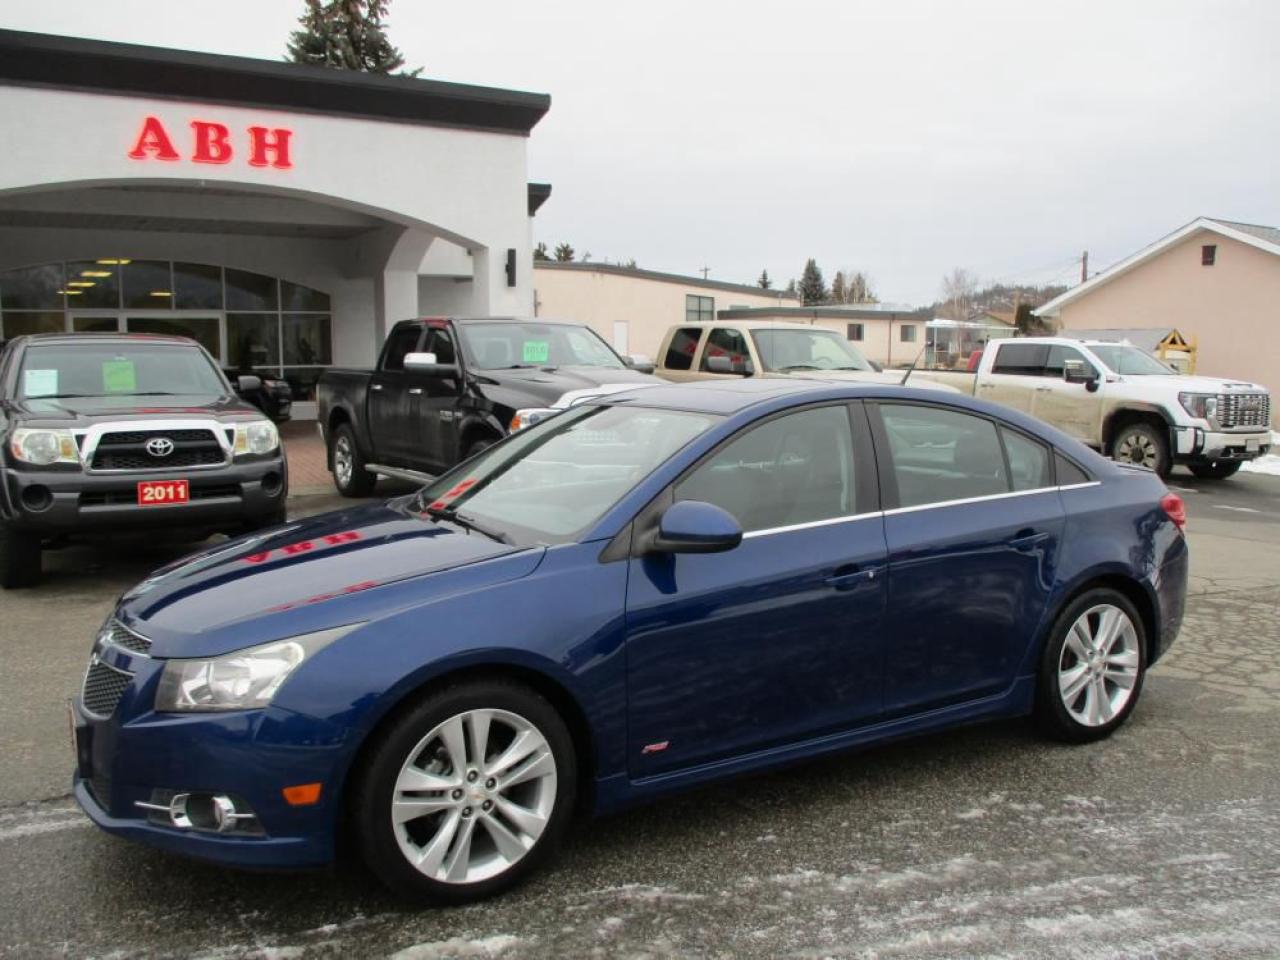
x,y
1163,841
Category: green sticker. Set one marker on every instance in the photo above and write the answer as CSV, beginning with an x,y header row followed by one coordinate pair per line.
x,y
537,351
118,376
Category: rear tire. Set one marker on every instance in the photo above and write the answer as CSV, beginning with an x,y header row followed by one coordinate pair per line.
x,y
20,557
1142,444
1092,668
432,817
349,473
1218,470
478,447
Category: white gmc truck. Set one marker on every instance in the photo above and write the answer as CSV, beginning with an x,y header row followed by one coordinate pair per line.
x,y
1124,402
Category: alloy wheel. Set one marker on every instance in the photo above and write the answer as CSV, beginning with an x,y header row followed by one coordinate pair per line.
x,y
1098,666
473,796
342,458
1139,449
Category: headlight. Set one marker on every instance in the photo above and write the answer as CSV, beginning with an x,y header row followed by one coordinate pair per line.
x,y
1202,405
44,447
244,680
257,437
530,416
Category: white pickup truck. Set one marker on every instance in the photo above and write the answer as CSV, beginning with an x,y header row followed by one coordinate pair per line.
x,y
1124,402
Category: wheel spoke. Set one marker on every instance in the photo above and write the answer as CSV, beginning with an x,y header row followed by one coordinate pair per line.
x,y
479,726
529,821
1128,659
1103,702
433,854
1072,681
1091,704
508,844
405,809
542,765
1110,622
460,859
1078,639
414,779
455,742
1121,678
525,743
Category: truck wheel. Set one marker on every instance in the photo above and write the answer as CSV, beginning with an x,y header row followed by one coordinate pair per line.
x,y
1142,444
349,474
477,448
1218,470
19,558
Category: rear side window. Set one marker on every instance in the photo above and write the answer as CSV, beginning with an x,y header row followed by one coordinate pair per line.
x,y
1023,359
1029,464
1069,473
684,343
401,343
939,455
722,342
795,468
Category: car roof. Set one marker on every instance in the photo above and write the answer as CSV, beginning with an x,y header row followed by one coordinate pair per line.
x,y
731,396
766,325
38,338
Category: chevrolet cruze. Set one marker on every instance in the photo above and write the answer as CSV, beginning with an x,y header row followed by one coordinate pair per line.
x,y
647,592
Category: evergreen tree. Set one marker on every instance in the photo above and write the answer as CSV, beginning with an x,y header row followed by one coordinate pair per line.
x,y
764,283
791,286
839,290
346,35
540,252
564,253
813,289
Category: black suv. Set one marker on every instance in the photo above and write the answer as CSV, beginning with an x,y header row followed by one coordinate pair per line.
x,y
104,432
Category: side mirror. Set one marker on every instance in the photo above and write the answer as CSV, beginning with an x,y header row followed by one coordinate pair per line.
x,y
694,526
248,382
427,363
639,363
1077,371
723,364
878,368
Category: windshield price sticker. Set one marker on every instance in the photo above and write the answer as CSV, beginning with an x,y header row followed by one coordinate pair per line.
x,y
536,351
39,383
119,376
451,494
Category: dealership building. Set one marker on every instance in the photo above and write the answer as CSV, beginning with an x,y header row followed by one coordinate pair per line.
x,y
284,216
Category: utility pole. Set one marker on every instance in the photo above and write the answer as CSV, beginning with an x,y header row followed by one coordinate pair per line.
x,y
1084,266
705,271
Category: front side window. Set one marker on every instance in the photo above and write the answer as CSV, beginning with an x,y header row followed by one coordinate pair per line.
x,y
1130,361
939,455
814,348
699,309
125,370
1021,359
1058,356
510,346
440,343
795,468
557,478
400,344
684,344
723,342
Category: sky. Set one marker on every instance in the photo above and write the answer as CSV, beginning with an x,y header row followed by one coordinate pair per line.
x,y
901,138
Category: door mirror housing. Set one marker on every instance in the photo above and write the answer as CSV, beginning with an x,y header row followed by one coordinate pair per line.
x,y
248,382
428,364
723,364
639,363
1077,371
695,526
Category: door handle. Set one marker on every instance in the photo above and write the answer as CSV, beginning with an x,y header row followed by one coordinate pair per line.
x,y
1027,539
415,390
1042,389
849,576
375,386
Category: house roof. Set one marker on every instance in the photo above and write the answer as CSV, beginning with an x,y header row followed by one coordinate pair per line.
x,y
1263,238
864,312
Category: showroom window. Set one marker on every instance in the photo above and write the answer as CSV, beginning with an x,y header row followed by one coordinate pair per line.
x,y
246,320
699,309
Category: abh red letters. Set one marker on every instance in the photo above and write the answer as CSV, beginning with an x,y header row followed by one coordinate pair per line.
x,y
213,143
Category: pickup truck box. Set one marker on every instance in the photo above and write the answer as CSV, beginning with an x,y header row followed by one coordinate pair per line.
x,y
1124,402
446,388
103,433
765,349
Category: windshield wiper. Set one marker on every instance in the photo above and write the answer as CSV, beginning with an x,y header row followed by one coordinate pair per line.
x,y
467,523
63,396
860,369
799,366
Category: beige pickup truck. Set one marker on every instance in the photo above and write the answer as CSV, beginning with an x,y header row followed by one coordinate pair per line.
x,y
757,348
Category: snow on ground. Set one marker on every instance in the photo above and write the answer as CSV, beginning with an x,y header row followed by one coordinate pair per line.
x,y
1270,464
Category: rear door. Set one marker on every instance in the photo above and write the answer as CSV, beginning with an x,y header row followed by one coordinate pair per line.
x,y
1015,372
973,526
392,425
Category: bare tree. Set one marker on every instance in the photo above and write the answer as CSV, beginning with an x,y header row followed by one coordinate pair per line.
x,y
958,289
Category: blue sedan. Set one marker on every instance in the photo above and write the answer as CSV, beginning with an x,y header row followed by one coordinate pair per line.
x,y
660,589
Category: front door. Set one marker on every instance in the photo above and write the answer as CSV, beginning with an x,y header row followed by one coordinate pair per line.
x,y
436,408
779,639
391,406
1071,407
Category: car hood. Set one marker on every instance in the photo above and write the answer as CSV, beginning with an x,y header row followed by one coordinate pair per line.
x,y
539,387
1180,384
324,571
870,376
72,412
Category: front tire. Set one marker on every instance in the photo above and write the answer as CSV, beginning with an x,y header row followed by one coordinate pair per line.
x,y
1092,668
349,473
20,557
467,793
1218,470
1142,444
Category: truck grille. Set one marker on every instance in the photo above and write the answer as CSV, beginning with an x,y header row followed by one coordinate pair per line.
x,y
103,688
1244,409
127,450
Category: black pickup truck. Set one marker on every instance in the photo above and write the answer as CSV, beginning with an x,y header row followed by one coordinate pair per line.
x,y
105,432
446,388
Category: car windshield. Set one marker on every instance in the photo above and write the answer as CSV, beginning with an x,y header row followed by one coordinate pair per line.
x,y
552,481
117,369
507,346
1130,361
783,350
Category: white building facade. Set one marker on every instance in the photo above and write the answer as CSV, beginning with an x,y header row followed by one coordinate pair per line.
x,y
284,216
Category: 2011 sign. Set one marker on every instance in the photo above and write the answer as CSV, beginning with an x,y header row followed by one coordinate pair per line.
x,y
212,143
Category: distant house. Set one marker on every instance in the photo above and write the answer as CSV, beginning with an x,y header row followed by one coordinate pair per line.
x,y
1216,281
989,318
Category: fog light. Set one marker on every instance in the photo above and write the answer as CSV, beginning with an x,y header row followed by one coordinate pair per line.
x,y
37,497
209,812
271,483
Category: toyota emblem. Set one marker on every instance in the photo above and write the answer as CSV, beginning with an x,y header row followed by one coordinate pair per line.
x,y
159,446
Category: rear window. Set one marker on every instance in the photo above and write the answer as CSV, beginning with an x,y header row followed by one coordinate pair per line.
x,y
684,343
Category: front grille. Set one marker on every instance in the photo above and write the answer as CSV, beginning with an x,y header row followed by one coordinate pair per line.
x,y
120,635
103,687
1244,409
126,450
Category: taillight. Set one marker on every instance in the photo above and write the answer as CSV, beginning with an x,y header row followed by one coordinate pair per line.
x,y
1174,509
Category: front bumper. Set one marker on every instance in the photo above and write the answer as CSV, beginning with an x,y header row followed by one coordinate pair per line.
x,y
73,501
1197,444
252,754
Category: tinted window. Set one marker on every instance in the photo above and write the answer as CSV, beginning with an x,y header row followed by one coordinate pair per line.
x,y
1028,461
440,343
117,369
1069,473
147,284
793,469
940,454
725,343
684,342
1058,355
401,342
1025,359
